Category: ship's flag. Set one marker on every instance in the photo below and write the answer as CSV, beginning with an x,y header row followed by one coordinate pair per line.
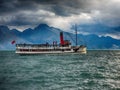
x,y
13,42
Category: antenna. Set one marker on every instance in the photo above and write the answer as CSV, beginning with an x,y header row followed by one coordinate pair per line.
x,y
76,33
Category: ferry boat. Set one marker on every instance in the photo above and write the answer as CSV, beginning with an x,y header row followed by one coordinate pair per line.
x,y
64,46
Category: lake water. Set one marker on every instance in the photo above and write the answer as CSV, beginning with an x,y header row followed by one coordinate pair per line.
x,y
97,70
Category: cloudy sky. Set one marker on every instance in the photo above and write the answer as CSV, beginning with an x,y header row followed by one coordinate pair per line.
x,y
21,14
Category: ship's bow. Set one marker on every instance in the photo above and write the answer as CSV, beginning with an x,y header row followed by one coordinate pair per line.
x,y
82,49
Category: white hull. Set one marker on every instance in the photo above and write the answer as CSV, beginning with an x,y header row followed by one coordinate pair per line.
x,y
81,50
47,52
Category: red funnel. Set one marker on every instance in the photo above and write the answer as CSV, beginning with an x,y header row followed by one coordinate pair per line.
x,y
61,38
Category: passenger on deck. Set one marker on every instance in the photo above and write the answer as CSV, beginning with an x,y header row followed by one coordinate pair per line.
x,y
47,44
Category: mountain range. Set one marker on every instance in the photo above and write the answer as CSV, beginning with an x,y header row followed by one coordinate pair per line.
x,y
44,33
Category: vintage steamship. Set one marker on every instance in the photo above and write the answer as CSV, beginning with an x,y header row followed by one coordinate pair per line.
x,y
65,46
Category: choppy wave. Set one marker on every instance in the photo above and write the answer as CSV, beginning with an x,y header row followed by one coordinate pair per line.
x,y
97,70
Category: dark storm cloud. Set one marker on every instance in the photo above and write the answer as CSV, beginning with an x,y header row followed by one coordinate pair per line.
x,y
13,9
60,7
14,6
65,12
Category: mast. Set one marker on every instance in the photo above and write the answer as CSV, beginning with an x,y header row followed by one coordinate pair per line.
x,y
76,34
